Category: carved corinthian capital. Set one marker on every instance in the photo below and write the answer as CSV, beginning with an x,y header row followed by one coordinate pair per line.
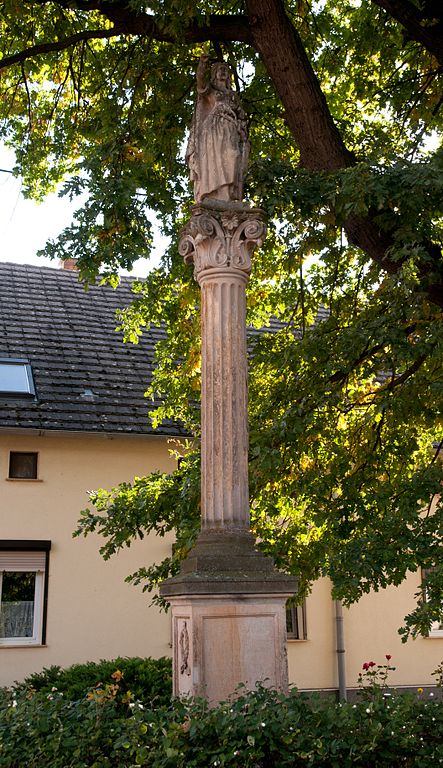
x,y
222,238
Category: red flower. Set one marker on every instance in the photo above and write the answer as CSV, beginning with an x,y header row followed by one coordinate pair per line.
x,y
366,666
371,664
388,656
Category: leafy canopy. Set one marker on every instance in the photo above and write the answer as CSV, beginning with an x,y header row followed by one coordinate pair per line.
x,y
345,112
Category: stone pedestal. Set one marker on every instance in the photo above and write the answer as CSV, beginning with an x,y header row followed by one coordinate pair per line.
x,y
220,642
228,601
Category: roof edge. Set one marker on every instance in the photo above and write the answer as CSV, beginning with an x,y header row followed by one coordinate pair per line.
x,y
33,432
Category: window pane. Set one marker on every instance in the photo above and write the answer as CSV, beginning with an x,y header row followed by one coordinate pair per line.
x,y
17,605
14,377
296,622
23,465
292,623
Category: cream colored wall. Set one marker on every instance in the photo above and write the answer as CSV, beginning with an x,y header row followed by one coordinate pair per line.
x,y
373,623
92,612
312,662
371,631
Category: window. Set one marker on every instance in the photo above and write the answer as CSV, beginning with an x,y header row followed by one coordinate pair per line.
x,y
23,592
296,622
436,629
16,378
23,465
437,626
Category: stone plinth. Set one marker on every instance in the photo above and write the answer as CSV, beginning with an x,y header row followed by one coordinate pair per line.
x,y
228,618
219,642
228,601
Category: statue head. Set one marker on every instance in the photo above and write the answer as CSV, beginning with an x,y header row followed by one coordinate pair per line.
x,y
221,76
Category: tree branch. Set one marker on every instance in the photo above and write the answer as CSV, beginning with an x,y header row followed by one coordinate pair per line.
x,y
126,22
60,45
28,98
306,111
409,16
368,352
397,380
226,27
221,28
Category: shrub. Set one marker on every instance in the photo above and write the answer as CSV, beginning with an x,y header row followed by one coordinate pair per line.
x,y
263,729
147,680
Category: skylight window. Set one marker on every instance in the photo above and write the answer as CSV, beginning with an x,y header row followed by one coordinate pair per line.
x,y
16,378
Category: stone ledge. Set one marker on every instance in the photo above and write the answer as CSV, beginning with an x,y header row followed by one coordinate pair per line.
x,y
240,585
227,562
226,550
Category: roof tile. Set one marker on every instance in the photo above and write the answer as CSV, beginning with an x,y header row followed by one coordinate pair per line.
x,y
68,335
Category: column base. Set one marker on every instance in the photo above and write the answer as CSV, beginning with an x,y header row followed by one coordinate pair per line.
x,y
227,562
228,617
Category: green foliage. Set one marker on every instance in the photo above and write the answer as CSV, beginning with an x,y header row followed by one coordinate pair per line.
x,y
257,730
345,414
146,680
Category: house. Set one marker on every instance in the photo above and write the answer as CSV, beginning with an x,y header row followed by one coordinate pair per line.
x,y
73,418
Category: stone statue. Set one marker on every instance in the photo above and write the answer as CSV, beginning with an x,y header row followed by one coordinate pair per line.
x,y
218,147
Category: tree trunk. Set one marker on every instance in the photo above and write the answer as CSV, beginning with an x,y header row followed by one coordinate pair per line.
x,y
316,135
307,114
429,34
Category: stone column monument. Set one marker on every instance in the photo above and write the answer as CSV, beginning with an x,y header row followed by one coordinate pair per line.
x,y
228,601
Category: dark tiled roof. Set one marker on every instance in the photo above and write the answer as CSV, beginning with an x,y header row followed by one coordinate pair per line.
x,y
68,335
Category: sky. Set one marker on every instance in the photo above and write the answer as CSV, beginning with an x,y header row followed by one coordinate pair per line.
x,y
25,226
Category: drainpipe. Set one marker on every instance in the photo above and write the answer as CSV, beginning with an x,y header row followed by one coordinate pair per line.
x,y
342,692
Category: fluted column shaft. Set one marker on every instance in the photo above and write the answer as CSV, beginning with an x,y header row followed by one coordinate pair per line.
x,y
219,243
224,400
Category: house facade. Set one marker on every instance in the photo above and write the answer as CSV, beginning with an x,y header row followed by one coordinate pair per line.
x,y
73,418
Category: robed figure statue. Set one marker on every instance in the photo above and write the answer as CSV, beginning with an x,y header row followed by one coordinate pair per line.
x,y
218,147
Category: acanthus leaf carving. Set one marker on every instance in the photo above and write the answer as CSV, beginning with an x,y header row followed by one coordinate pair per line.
x,y
222,238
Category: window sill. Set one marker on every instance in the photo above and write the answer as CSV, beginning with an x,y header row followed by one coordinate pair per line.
x,y
22,645
297,639
24,479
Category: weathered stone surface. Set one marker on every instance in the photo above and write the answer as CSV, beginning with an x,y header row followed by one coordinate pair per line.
x,y
220,642
228,601
218,146
227,563
219,242
222,235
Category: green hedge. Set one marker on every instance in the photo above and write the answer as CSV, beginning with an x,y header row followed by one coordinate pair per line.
x,y
147,679
258,730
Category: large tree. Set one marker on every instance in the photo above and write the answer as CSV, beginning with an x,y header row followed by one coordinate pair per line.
x,y
345,103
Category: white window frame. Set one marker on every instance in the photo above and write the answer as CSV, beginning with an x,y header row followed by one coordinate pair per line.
x,y
24,366
436,629
27,561
299,619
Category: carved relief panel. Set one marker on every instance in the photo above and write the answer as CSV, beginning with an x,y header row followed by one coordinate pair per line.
x,y
183,678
